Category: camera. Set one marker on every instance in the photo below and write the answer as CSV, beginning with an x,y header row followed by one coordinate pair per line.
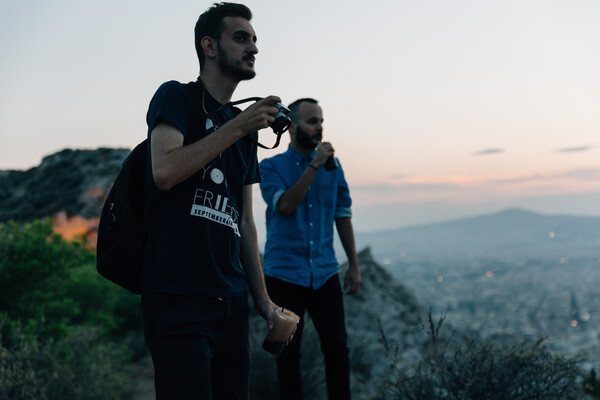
x,y
282,122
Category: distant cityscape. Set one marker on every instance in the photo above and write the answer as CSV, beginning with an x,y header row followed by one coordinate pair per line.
x,y
557,300
532,292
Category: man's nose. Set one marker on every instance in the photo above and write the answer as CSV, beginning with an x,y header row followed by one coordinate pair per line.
x,y
252,49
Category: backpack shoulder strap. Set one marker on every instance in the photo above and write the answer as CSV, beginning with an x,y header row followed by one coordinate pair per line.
x,y
197,118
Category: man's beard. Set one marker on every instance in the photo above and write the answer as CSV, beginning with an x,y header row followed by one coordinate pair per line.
x,y
235,68
306,140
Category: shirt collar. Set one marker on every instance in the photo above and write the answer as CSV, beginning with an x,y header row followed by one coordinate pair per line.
x,y
297,157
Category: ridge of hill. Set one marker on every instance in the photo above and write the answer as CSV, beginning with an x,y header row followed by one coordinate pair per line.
x,y
74,182
509,234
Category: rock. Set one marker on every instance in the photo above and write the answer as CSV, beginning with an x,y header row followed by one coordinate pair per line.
x,y
75,182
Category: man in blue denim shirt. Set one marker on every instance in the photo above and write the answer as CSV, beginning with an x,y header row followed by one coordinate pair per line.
x,y
303,202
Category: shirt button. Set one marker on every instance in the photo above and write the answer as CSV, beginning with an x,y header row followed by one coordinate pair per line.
x,y
311,242
310,223
310,206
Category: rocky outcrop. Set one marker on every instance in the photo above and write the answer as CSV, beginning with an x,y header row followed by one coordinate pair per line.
x,y
382,306
73,182
69,187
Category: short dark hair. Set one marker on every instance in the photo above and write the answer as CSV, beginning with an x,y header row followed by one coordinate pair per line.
x,y
294,108
211,23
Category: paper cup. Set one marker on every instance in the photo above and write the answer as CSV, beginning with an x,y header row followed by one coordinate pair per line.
x,y
283,325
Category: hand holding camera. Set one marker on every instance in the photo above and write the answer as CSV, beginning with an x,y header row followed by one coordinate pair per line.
x,y
264,112
259,115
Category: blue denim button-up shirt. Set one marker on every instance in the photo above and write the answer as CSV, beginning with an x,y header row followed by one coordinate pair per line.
x,y
299,246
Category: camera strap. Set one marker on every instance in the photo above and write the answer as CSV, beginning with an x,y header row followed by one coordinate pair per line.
x,y
231,105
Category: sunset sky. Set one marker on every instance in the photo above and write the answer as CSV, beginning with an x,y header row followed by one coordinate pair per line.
x,y
436,109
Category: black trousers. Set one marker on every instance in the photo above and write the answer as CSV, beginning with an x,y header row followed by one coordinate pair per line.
x,y
199,346
326,308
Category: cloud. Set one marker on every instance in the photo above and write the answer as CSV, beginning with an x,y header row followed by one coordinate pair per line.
x,y
468,191
577,149
398,176
585,174
486,152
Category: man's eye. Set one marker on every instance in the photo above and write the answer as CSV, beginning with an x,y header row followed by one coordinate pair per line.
x,y
240,39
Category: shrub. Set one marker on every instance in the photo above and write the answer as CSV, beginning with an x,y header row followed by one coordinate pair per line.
x,y
592,384
64,330
49,284
471,369
75,367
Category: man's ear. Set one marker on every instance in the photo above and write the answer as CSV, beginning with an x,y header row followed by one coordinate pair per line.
x,y
292,129
209,45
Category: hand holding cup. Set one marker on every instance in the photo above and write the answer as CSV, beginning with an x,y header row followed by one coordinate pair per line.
x,y
284,325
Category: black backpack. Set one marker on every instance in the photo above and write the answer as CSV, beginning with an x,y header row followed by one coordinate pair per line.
x,y
122,230
123,227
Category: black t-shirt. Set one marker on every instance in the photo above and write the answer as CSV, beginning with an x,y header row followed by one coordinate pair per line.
x,y
194,240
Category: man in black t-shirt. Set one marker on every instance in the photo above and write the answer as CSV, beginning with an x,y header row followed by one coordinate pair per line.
x,y
202,247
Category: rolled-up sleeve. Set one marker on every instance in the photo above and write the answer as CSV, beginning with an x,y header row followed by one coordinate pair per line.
x,y
343,206
272,185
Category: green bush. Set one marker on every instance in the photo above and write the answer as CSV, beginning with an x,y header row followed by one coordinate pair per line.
x,y
472,369
65,332
79,366
49,284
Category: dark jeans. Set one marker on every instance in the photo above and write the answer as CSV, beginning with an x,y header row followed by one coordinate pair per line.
x,y
199,346
326,308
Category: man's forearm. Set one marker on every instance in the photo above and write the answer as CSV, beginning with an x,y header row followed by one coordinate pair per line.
x,y
346,233
353,278
293,196
172,162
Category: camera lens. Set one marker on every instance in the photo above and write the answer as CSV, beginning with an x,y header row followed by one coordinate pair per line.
x,y
282,121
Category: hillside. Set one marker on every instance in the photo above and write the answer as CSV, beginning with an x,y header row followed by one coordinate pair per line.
x,y
69,186
508,235
70,181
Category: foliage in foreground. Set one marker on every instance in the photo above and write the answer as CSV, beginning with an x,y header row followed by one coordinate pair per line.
x,y
63,328
592,384
472,369
75,367
49,284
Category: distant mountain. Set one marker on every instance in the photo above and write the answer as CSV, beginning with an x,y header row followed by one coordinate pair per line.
x,y
402,215
511,234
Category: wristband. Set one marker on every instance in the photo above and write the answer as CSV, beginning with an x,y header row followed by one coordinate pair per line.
x,y
313,167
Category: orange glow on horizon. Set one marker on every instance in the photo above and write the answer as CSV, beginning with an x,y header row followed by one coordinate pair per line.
x,y
465,180
467,189
72,227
